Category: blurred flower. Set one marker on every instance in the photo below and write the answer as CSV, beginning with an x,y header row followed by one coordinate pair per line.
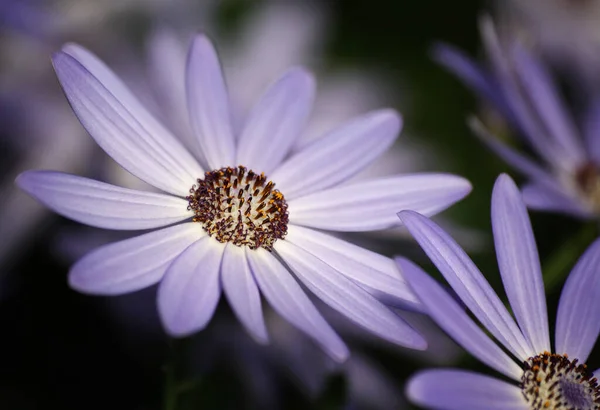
x,y
521,89
558,380
238,207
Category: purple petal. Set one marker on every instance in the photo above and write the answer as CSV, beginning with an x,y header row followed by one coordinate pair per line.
x,y
591,131
242,293
347,297
468,282
132,264
578,318
289,300
276,121
189,293
208,104
519,263
372,205
597,373
121,125
102,205
539,197
376,273
455,321
354,146
463,390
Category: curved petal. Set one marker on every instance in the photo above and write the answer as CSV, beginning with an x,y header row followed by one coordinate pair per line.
x,y
338,155
289,300
539,197
348,298
132,264
468,282
455,321
372,205
242,292
102,205
375,273
462,390
121,125
208,104
276,121
519,263
578,317
189,292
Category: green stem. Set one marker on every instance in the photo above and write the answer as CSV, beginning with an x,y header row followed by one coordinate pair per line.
x,y
171,390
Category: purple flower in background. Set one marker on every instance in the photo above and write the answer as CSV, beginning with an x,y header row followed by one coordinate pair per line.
x,y
521,89
227,225
558,380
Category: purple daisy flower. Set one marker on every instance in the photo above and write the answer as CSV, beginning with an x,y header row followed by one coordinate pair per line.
x,y
544,380
521,88
225,225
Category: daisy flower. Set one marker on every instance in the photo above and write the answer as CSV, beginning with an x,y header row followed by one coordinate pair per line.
x,y
542,378
246,219
521,89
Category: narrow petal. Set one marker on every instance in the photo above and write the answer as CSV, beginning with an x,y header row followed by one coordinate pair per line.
x,y
132,264
455,321
242,292
597,373
189,293
208,104
578,318
376,273
591,130
348,298
541,198
463,390
339,155
121,125
102,205
468,282
289,300
519,263
372,205
276,121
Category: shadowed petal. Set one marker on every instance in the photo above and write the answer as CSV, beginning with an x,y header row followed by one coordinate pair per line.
x,y
454,320
276,121
289,300
591,130
372,205
132,264
468,282
189,293
578,318
539,197
338,155
463,390
102,205
242,292
348,298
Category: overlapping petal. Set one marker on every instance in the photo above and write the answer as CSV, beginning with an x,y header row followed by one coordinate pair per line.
x,y
542,198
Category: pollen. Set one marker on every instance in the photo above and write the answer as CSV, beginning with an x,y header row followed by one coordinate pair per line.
x,y
552,381
239,206
587,179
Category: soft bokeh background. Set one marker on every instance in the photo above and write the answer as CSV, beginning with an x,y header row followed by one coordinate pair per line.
x,y
61,349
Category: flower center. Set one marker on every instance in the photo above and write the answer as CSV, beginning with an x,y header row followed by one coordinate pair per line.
x,y
552,381
588,183
239,206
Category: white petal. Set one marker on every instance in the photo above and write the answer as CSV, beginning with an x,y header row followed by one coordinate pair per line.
x,y
519,263
347,297
208,104
289,300
242,292
468,282
276,121
103,205
132,264
121,125
375,273
189,293
338,155
373,205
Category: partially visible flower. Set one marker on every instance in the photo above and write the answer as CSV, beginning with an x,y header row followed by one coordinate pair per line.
x,y
522,90
244,235
543,378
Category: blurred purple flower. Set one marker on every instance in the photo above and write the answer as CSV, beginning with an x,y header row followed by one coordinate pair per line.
x,y
557,380
522,90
